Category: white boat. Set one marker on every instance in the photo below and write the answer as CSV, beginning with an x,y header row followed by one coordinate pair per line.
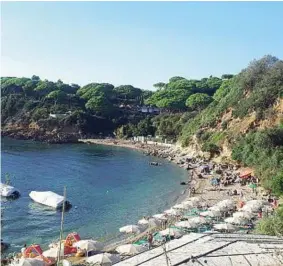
x,y
49,198
8,191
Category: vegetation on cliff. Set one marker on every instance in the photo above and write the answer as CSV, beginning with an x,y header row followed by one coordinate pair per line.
x,y
242,113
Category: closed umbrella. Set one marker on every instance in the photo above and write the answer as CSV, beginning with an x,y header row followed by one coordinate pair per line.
x,y
130,229
186,224
225,227
172,212
89,245
105,259
130,249
172,232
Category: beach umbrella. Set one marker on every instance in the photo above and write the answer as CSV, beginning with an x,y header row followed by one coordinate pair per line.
x,y
186,224
189,204
217,208
53,252
30,262
211,213
235,220
226,203
182,206
252,185
104,259
172,232
224,227
172,212
130,229
143,222
198,220
256,203
194,199
130,249
160,216
89,245
245,215
154,222
250,208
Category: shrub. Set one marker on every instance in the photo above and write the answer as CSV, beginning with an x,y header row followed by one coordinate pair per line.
x,y
40,113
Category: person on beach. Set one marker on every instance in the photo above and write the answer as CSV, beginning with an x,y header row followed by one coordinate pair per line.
x,y
23,249
150,240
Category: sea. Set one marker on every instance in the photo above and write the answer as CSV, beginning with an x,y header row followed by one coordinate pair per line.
x,y
108,187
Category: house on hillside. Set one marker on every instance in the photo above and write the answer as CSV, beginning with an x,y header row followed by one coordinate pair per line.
x,y
59,115
150,110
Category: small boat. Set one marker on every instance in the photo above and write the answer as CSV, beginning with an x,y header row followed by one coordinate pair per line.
x,y
154,163
50,199
8,191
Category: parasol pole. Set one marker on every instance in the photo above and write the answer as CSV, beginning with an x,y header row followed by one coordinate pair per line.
x,y
61,229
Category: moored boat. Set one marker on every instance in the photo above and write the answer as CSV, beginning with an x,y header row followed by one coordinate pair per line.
x,y
9,191
50,199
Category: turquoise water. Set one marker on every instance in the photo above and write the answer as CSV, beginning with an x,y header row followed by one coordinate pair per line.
x,y
108,186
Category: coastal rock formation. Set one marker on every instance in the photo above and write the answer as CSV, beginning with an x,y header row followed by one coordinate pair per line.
x,y
39,134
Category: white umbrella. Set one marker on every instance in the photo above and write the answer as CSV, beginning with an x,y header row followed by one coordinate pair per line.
x,y
198,220
226,203
226,227
29,262
188,203
194,199
186,224
181,206
172,232
160,216
256,202
235,220
211,213
245,215
143,222
250,208
217,208
53,252
105,259
89,245
130,229
154,222
172,212
130,249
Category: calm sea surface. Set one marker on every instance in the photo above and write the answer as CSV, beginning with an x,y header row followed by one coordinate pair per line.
x,y
108,186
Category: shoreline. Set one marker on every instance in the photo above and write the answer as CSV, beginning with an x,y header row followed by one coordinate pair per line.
x,y
176,155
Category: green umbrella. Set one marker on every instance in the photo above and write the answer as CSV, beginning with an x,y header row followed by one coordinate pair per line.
x,y
252,185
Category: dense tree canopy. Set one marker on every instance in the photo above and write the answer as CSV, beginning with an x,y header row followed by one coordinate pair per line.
x,y
198,101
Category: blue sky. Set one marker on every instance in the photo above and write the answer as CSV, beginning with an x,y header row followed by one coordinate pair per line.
x,y
138,43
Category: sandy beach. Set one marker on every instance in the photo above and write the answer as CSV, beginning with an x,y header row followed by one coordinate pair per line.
x,y
203,188
208,194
